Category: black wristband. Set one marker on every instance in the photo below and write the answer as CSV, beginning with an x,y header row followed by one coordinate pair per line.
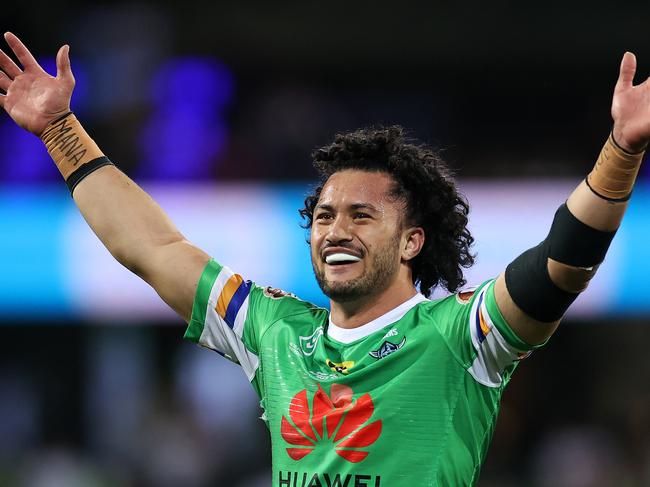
x,y
79,174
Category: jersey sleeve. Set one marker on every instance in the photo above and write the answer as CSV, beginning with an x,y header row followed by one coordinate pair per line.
x,y
480,337
230,314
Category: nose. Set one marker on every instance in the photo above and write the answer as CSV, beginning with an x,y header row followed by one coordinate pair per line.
x,y
339,230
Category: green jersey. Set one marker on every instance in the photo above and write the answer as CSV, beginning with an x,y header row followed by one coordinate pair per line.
x,y
410,398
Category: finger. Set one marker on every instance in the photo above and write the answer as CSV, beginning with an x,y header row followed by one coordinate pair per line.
x,y
8,66
4,82
22,53
626,73
63,69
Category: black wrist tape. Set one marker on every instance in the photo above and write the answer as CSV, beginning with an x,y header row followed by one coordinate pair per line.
x,y
79,174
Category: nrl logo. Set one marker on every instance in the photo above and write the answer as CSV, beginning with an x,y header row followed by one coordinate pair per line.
x,y
308,343
342,368
386,349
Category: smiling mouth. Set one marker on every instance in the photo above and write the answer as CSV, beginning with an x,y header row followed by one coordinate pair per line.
x,y
341,258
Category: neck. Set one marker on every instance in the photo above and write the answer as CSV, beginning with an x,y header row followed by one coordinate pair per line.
x,y
352,314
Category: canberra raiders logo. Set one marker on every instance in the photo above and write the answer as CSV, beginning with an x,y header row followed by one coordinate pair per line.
x,y
386,349
332,422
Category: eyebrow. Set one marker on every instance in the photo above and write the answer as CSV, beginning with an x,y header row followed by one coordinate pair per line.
x,y
353,206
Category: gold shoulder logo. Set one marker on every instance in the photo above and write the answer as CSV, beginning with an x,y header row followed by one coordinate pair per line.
x,y
342,367
276,293
464,297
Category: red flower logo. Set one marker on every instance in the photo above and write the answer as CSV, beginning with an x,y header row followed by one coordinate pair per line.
x,y
336,421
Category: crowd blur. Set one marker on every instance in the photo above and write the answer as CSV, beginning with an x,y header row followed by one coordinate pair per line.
x,y
246,91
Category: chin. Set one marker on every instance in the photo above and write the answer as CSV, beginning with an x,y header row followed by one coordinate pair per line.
x,y
344,290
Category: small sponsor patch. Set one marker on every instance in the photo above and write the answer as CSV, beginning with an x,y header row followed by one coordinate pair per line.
x,y
276,293
340,367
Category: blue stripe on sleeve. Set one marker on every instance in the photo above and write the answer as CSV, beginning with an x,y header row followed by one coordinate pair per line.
x,y
479,332
236,302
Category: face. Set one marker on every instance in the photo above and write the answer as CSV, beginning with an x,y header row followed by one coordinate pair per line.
x,y
356,236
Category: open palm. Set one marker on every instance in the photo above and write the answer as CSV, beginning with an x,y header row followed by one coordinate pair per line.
x,y
33,97
631,108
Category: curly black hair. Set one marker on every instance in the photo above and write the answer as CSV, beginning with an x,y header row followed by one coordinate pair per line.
x,y
423,181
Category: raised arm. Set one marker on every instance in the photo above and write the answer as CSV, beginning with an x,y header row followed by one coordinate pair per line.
x,y
540,284
134,229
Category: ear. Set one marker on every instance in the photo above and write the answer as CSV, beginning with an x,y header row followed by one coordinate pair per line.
x,y
412,242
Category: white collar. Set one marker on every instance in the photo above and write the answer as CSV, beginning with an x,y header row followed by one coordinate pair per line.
x,y
348,335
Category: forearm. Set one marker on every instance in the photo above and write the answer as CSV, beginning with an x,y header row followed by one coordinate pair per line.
x,y
125,218
131,225
597,213
594,211
601,199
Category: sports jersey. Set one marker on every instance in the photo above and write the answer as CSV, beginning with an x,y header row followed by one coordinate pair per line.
x,y
410,398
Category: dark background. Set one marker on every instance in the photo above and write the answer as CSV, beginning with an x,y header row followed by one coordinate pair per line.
x,y
505,89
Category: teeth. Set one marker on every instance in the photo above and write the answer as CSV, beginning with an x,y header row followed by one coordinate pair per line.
x,y
341,257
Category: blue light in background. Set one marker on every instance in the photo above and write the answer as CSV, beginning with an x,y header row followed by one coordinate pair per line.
x,y
633,281
32,276
51,264
187,132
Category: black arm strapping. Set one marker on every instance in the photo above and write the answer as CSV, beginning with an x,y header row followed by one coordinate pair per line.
x,y
570,242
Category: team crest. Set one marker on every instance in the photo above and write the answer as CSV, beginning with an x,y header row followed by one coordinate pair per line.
x,y
386,349
342,367
276,293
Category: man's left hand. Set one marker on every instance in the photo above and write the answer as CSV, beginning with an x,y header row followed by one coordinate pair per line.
x,y
631,108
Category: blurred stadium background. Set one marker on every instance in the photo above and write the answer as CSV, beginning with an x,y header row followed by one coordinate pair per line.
x,y
214,108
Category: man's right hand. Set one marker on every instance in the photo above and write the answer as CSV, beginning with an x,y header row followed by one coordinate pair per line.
x,y
34,98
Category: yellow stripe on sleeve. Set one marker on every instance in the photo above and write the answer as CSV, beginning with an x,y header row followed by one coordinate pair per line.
x,y
227,293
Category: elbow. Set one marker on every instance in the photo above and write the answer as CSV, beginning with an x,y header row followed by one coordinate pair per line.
x,y
143,257
569,278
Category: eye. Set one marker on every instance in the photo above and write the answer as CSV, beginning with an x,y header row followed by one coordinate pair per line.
x,y
359,214
324,216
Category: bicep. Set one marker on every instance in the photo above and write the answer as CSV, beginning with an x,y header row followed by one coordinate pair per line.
x,y
174,270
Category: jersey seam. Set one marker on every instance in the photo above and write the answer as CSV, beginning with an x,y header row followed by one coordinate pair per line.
x,y
457,359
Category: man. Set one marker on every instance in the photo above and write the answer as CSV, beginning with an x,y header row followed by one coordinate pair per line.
x,y
387,388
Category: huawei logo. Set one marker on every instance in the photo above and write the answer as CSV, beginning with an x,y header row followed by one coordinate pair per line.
x,y
335,422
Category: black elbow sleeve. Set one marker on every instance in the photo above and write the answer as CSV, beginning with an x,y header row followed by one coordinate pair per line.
x,y
570,242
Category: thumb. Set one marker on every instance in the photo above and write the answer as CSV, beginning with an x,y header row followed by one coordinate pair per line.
x,y
626,73
63,69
